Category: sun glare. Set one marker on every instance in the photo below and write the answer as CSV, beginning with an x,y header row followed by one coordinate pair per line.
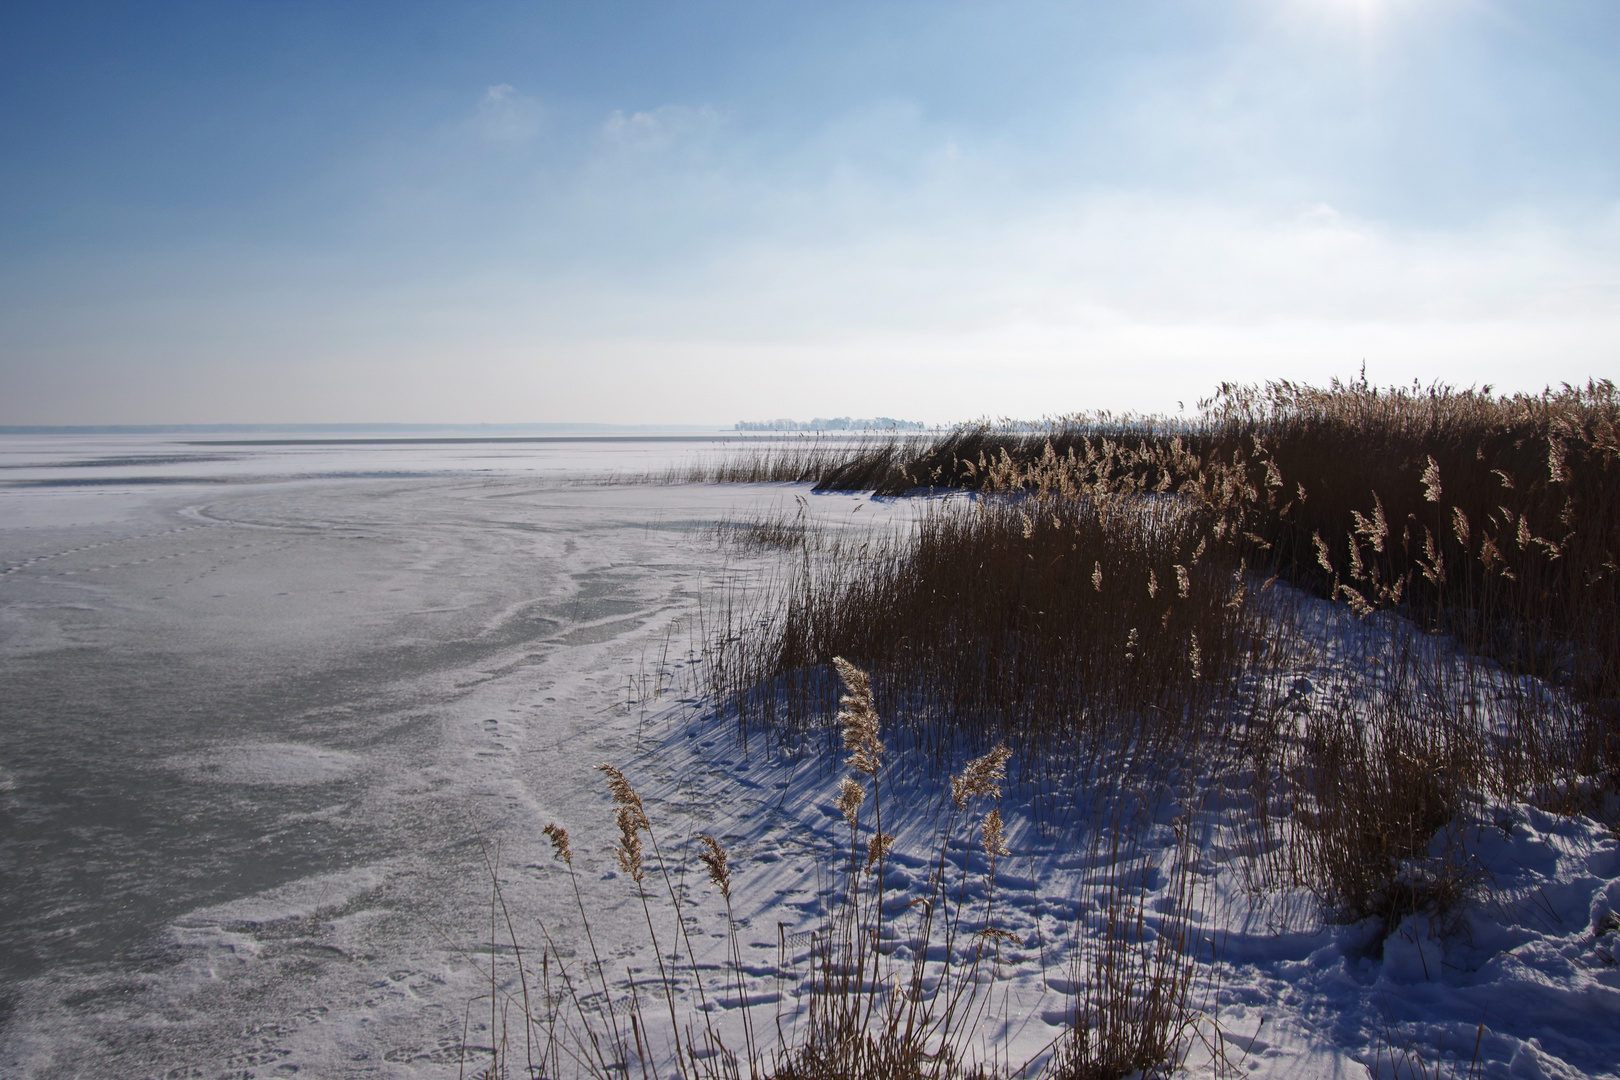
x,y
1364,21
1366,15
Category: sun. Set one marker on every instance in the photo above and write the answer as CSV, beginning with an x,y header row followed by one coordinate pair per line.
x,y
1361,10
1364,18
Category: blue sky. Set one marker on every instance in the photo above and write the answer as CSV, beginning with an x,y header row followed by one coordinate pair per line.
x,y
696,212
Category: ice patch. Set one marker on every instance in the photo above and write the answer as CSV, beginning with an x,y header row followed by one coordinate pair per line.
x,y
266,763
294,900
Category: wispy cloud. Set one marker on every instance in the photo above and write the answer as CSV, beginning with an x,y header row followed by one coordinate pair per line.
x,y
506,117
659,129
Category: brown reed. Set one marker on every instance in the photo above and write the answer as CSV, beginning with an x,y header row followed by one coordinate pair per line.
x,y
989,623
1493,518
844,462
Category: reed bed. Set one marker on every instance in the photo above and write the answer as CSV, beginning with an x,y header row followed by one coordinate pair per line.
x,y
851,464
1496,520
771,532
1053,625
1190,686
1493,518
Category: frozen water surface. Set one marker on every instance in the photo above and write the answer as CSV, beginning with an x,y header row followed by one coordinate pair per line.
x,y
266,708
272,715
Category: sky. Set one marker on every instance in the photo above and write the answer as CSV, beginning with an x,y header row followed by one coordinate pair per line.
x,y
701,212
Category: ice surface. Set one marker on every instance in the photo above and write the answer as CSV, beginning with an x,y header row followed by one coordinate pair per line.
x,y
265,763
263,720
273,717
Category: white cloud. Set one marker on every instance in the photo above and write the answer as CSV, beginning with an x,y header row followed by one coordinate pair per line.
x,y
506,117
659,129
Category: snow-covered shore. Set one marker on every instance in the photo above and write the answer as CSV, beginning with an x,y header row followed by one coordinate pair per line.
x,y
1521,981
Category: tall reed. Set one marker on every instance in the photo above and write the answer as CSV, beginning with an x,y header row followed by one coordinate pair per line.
x,y
1045,623
848,463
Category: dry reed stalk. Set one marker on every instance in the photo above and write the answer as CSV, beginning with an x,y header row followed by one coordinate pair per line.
x,y
989,623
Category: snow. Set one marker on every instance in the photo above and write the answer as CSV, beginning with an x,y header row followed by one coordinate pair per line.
x,y
1524,981
268,722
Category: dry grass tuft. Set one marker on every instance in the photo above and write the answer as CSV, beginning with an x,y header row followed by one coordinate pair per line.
x,y
772,532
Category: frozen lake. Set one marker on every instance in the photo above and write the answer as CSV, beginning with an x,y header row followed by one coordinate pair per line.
x,y
271,713
266,706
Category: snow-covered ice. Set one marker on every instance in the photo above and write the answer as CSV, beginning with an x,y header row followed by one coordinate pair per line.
x,y
269,713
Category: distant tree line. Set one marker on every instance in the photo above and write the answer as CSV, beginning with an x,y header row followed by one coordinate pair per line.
x,y
836,423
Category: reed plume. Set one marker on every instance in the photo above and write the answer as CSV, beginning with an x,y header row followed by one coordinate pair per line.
x,y
559,843
859,719
850,796
981,776
631,818
714,859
